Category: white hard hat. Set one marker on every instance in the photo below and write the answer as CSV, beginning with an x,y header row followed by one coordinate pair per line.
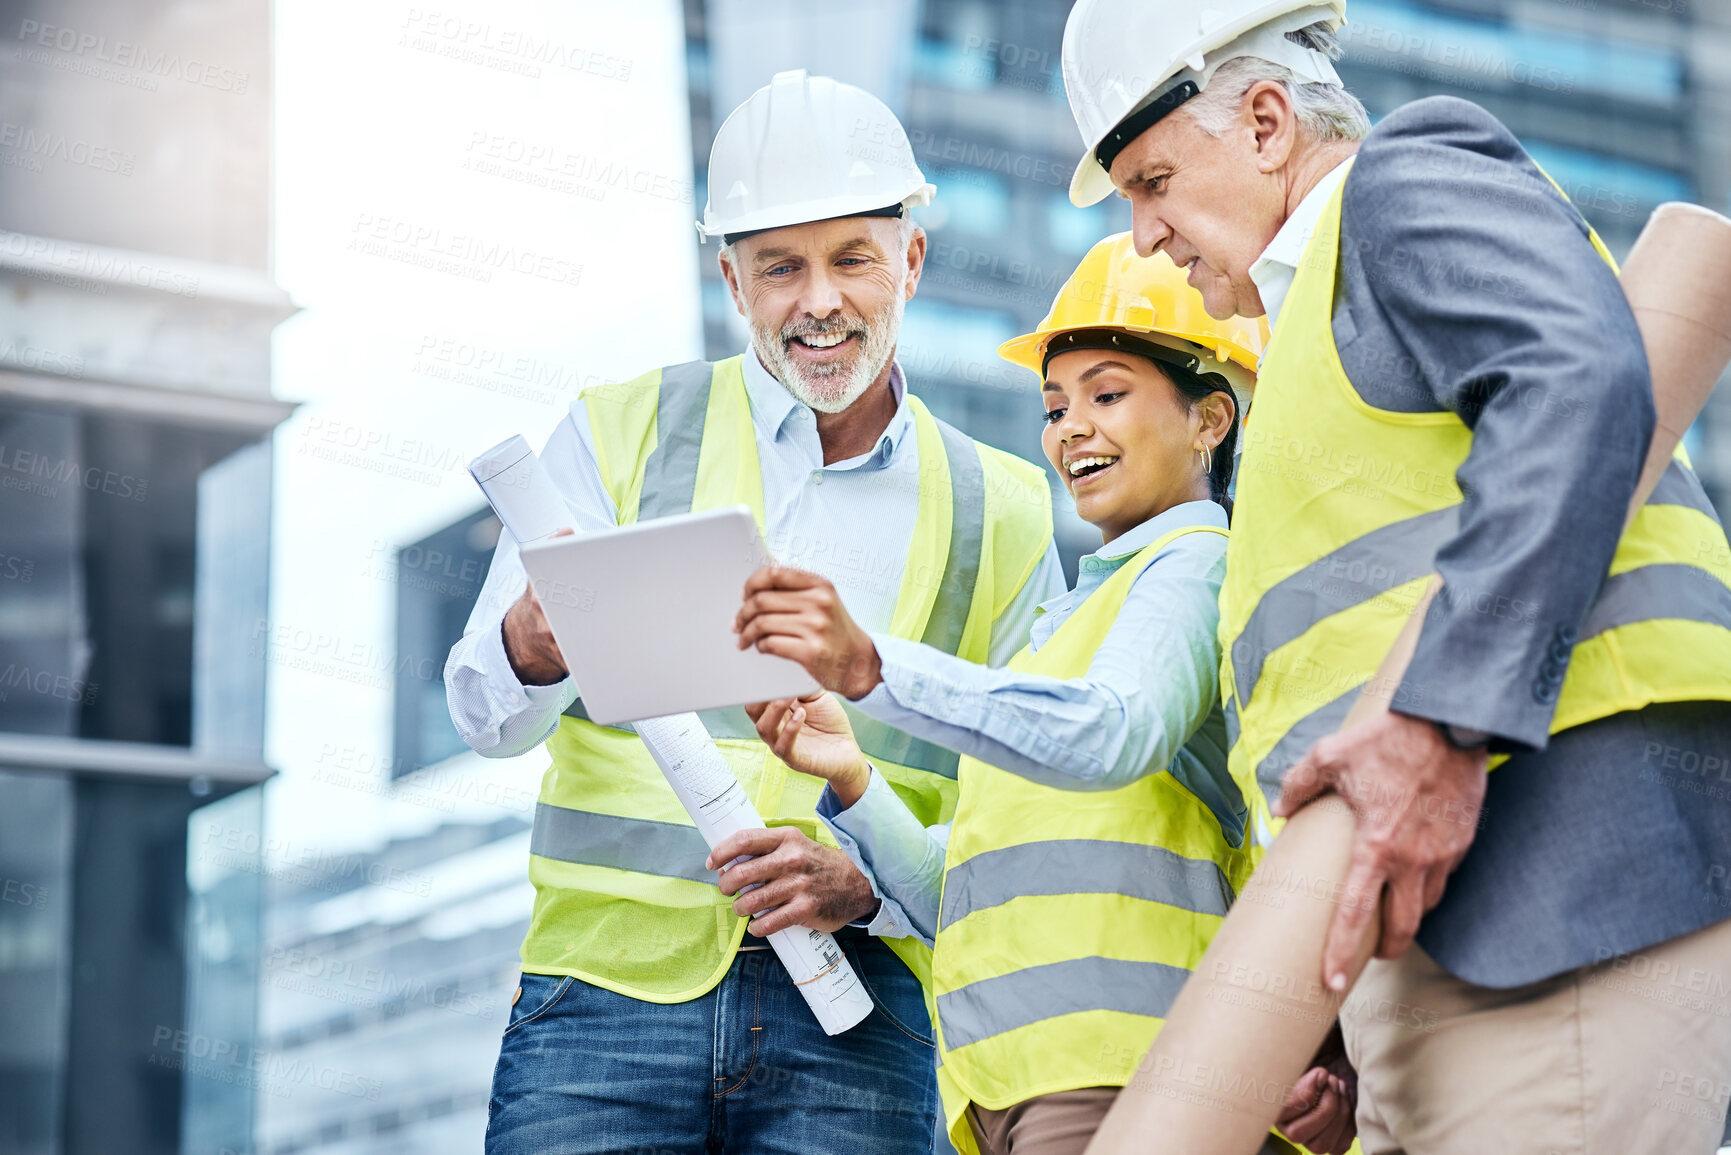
x,y
1127,63
808,148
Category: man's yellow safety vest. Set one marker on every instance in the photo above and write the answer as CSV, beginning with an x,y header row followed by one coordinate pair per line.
x,y
622,898
1341,507
1069,919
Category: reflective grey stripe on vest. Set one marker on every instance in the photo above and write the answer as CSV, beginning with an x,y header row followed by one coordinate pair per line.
x,y
681,411
1363,568
1297,741
1657,592
1034,994
1679,486
670,849
1083,866
967,533
950,606
1652,592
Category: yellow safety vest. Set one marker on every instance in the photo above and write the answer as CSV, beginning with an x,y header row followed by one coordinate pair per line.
x,y
1069,919
1341,508
622,898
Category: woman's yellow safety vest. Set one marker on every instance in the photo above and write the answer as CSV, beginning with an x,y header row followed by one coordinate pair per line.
x,y
1341,508
1069,919
622,898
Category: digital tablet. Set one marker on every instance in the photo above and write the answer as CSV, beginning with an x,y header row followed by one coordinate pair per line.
x,y
644,615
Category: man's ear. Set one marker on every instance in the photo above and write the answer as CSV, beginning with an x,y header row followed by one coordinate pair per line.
x,y
916,257
731,275
1269,114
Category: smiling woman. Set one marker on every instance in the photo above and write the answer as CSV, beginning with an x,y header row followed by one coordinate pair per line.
x,y
1098,836
1131,433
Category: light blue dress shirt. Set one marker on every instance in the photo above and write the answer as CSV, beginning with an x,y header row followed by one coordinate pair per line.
x,y
850,521
1149,703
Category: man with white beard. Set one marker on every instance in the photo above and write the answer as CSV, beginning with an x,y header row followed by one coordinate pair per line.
x,y
646,1020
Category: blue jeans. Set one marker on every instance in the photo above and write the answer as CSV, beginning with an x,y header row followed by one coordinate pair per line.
x,y
743,1069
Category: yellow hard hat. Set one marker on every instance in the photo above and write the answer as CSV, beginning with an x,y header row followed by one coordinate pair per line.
x,y
1113,288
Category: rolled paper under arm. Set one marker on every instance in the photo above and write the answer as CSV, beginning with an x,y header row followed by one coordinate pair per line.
x,y
1254,1012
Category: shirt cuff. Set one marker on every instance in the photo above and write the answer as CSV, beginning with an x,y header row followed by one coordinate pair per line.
x,y
903,862
502,679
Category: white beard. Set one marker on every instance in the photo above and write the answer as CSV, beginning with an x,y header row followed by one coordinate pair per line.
x,y
831,388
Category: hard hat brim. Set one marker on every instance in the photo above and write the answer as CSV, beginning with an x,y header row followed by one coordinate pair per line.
x,y
1090,184
834,208
1029,350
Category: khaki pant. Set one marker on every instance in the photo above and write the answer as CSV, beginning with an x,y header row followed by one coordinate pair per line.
x,y
1056,1124
1625,1057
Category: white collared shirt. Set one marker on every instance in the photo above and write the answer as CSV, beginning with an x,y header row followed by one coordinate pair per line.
x,y
1278,265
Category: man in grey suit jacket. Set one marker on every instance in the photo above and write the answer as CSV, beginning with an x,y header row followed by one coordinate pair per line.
x,y
1570,989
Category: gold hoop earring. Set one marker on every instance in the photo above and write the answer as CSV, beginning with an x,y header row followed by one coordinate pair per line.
x,y
1207,457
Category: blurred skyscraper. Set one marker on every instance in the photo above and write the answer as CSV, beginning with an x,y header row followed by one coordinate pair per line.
x,y
136,309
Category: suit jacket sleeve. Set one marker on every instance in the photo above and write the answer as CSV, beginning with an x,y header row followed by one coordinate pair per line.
x,y
1502,311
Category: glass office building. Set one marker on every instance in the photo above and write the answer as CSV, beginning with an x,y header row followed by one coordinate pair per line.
x,y
136,308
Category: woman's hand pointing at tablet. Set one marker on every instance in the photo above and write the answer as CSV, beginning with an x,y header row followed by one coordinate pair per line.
x,y
798,615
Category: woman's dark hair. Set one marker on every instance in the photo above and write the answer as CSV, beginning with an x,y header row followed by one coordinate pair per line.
x,y
1181,369
1193,387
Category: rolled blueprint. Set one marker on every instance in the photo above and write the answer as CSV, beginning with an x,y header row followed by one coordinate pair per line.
x,y
718,807
521,493
523,496
1678,282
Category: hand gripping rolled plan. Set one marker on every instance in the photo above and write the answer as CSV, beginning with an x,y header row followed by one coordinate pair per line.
x,y
1678,282
524,498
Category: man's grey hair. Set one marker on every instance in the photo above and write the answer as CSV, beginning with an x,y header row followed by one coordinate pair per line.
x,y
904,236
1326,111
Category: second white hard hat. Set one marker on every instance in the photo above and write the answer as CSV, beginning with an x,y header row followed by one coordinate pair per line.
x,y
1127,63
807,148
